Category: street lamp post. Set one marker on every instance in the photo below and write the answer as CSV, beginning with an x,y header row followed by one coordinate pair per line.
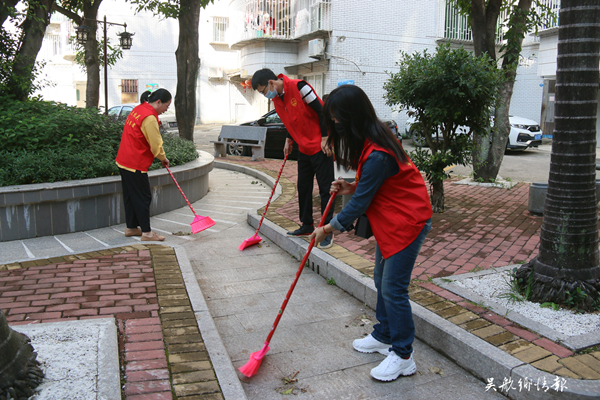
x,y
124,40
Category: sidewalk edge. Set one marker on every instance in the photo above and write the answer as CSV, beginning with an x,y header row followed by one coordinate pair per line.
x,y
226,373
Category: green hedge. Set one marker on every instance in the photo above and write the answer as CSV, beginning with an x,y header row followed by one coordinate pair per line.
x,y
49,142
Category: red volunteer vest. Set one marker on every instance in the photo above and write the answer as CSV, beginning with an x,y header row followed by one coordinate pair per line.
x,y
134,150
400,208
301,121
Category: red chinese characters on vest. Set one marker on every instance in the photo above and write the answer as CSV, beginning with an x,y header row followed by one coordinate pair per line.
x,y
134,151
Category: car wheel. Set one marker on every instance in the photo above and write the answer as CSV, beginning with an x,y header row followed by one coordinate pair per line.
x,y
417,140
236,149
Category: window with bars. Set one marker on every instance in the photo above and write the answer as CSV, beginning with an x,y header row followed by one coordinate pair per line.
x,y
129,85
220,25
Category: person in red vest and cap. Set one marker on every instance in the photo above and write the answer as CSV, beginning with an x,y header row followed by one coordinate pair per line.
x,y
300,109
390,190
140,144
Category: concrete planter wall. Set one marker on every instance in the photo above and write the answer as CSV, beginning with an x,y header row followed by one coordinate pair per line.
x,y
537,196
44,209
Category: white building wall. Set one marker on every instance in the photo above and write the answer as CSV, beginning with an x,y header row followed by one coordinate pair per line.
x,y
375,39
529,87
548,53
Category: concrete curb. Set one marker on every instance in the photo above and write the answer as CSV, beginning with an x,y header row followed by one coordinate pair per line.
x,y
481,358
574,343
224,369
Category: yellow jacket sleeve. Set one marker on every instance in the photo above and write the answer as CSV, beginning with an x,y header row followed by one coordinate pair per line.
x,y
150,130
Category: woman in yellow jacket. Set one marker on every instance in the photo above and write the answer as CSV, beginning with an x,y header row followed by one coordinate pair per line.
x,y
140,144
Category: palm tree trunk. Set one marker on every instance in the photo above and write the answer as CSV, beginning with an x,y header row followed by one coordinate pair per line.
x,y
568,256
19,371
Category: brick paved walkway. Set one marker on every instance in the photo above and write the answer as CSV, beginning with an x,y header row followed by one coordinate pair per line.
x,y
161,352
481,227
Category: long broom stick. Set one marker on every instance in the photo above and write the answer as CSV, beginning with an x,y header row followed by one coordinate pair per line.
x,y
251,367
255,238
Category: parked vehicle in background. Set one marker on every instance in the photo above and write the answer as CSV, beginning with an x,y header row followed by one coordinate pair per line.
x,y
524,133
167,120
276,135
274,142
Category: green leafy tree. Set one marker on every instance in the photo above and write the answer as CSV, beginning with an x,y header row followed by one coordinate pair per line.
x,y
90,55
18,68
566,270
450,94
522,16
187,12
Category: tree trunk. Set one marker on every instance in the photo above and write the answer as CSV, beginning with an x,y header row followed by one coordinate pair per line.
x,y
568,257
19,371
437,196
38,17
488,155
188,64
92,61
483,26
6,9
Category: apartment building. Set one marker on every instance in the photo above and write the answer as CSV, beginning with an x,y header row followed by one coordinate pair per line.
x,y
326,42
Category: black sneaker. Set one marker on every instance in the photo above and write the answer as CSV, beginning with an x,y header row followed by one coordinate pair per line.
x,y
302,231
327,242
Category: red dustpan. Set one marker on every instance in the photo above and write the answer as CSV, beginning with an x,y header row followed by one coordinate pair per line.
x,y
199,223
255,238
251,367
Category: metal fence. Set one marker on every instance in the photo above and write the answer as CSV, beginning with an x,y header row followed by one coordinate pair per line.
x,y
279,19
457,27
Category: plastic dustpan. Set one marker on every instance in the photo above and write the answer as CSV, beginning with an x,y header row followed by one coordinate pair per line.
x,y
199,223
250,241
257,239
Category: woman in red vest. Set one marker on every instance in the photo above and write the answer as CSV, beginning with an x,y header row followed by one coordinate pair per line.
x,y
140,144
389,189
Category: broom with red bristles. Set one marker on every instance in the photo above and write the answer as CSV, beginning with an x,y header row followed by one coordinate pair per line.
x,y
255,238
251,367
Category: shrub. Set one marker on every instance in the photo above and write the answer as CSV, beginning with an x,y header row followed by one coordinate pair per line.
x,y
49,142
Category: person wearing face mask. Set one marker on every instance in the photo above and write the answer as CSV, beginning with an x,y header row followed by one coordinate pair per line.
x,y
390,190
300,109
141,142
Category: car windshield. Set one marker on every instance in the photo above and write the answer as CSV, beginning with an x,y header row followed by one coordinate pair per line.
x,y
273,119
114,111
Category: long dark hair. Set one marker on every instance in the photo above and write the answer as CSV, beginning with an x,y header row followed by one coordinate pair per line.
x,y
351,107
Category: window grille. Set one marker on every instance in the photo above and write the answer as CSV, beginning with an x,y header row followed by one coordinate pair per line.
x,y
129,85
220,25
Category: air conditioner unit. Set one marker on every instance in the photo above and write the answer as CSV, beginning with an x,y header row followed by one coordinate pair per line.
x,y
215,72
316,48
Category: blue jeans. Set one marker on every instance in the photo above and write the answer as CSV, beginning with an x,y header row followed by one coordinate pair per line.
x,y
392,277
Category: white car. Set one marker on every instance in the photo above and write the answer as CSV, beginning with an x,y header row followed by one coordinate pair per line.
x,y
167,119
524,133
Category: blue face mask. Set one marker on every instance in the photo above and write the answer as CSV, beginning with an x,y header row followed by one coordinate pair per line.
x,y
271,94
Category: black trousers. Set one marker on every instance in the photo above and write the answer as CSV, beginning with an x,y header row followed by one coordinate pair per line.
x,y
309,166
137,198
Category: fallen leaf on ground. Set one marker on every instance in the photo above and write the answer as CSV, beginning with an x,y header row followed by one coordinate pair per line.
x,y
436,370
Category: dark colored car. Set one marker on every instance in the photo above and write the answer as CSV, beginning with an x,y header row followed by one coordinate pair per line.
x,y
276,135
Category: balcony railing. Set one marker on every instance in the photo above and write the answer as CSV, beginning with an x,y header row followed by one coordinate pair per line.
x,y
457,26
279,19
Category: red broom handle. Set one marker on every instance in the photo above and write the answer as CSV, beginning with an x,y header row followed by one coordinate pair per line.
x,y
272,191
310,247
186,200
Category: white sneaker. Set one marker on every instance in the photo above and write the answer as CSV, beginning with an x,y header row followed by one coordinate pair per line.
x,y
394,366
369,344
